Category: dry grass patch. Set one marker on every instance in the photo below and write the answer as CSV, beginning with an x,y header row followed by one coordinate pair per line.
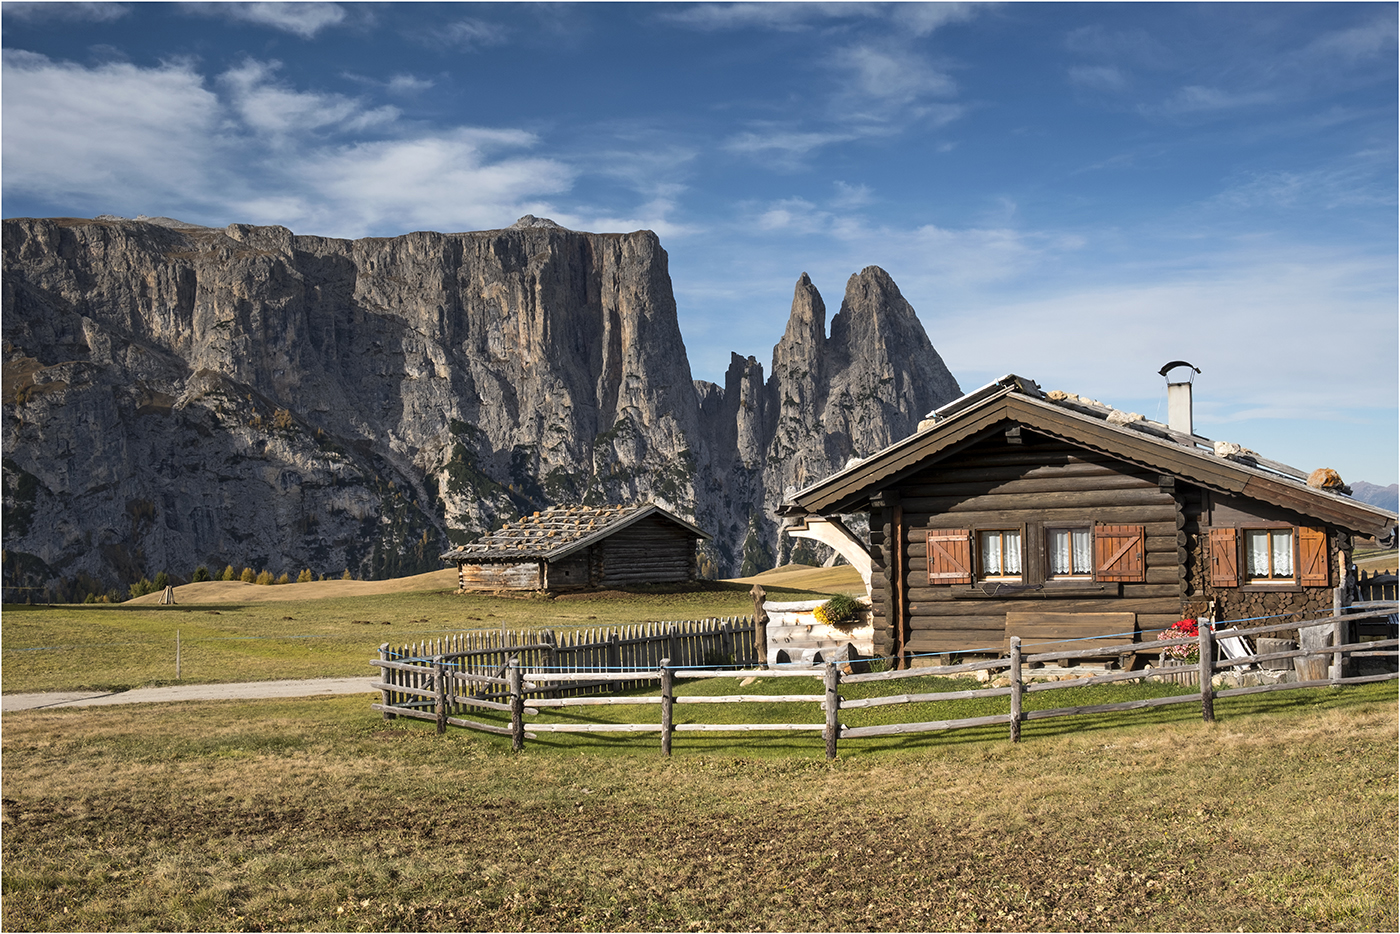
x,y
317,815
99,647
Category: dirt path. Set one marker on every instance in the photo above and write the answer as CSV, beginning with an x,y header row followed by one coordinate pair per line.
x,y
184,692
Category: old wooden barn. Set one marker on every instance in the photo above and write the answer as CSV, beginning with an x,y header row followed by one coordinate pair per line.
x,y
581,548
1044,515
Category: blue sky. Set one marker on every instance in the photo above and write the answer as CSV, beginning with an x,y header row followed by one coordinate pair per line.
x,y
1075,193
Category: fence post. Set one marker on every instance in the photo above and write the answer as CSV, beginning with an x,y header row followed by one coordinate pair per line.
x,y
1015,672
1339,629
517,705
668,681
614,660
177,655
1205,668
440,690
833,708
385,675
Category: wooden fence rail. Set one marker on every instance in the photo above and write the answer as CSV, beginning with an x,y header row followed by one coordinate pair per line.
x,y
443,685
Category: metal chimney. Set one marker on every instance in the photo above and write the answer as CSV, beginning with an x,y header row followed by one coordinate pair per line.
x,y
1179,398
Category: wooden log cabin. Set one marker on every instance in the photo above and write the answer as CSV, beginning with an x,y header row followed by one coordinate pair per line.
x,y
581,548
1055,518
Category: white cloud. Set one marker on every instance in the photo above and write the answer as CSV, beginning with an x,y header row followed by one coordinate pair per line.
x,y
785,16
97,132
921,19
276,111
451,180
301,19
467,34
66,12
124,139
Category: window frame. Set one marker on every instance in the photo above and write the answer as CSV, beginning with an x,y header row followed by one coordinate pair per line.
x,y
1049,574
980,571
1247,575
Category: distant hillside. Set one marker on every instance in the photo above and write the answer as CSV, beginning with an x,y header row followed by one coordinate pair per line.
x,y
1386,497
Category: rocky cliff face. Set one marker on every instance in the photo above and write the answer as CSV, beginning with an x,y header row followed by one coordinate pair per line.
x,y
176,396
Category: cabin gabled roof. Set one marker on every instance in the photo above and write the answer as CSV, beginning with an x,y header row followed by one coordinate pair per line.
x,y
557,532
1222,467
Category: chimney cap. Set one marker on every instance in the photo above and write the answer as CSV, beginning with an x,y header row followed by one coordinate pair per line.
x,y
1173,365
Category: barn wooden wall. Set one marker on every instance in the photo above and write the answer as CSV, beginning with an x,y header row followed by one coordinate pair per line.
x,y
652,551
1037,483
521,575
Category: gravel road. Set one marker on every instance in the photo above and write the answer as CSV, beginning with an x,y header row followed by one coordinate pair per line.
x,y
184,692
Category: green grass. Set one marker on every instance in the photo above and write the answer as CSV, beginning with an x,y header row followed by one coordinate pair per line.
x,y
318,815
97,647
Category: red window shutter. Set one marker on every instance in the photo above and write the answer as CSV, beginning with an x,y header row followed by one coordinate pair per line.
x,y
950,556
1313,567
1120,553
1224,558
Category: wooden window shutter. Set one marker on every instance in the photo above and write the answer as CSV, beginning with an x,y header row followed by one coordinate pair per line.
x,y
1314,570
1224,558
1120,553
950,556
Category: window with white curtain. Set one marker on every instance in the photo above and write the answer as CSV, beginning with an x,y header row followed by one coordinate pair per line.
x,y
1070,552
1000,553
1268,554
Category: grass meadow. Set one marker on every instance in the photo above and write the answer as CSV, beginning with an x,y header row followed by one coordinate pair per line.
x,y
317,814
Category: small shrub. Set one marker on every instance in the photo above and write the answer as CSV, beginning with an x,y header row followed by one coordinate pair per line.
x,y
91,598
839,609
305,577
141,588
264,578
200,575
347,576
247,576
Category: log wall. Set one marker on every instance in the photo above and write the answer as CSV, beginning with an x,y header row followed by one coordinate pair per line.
x,y
1033,485
652,551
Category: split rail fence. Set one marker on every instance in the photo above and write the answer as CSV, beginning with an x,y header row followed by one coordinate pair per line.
x,y
443,685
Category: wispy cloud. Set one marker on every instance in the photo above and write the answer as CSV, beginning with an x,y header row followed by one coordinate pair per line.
x,y
466,35
65,12
918,19
278,113
786,16
783,146
300,19
1098,77
1196,99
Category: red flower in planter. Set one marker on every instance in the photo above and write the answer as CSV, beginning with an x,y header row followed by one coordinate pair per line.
x,y
1181,629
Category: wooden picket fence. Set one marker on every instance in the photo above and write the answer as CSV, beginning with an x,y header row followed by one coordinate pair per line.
x,y
604,654
443,685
